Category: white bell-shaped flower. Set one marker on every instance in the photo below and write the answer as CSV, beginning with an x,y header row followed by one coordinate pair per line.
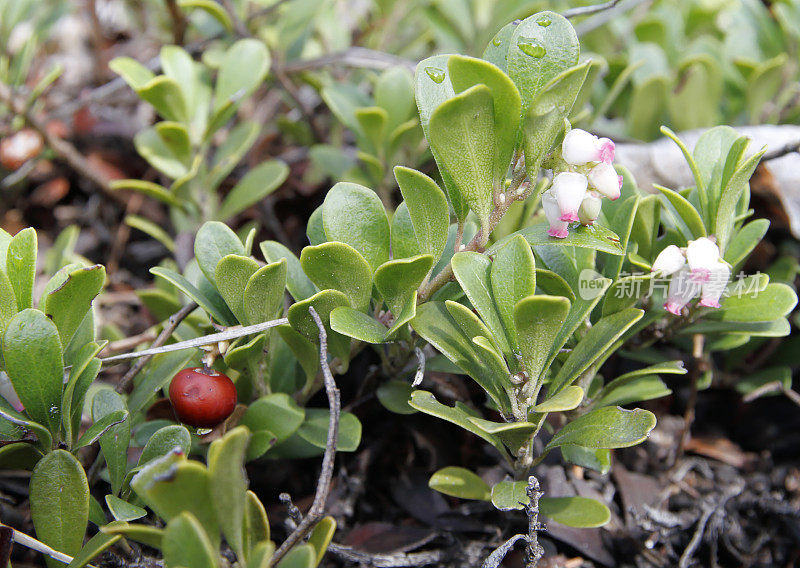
x,y
702,256
569,190
682,288
580,147
714,286
607,150
604,178
669,261
558,228
590,208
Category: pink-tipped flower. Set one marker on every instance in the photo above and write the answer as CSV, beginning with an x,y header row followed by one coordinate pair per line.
x,y
607,150
702,256
590,208
715,285
7,392
558,228
669,261
580,147
682,288
569,190
603,177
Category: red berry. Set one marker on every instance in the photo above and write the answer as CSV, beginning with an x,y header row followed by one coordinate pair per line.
x,y
202,397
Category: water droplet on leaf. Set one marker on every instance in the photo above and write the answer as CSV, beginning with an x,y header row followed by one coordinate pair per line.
x,y
436,75
544,22
530,46
496,41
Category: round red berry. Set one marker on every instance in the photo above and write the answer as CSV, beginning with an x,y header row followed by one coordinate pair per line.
x,y
202,397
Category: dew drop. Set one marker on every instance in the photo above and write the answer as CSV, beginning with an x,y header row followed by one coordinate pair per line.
x,y
544,22
530,46
496,41
436,75
204,431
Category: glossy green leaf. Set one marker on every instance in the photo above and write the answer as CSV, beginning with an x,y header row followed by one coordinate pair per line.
x,y
397,280
214,9
213,304
339,266
632,389
165,94
314,430
354,215
149,189
324,303
732,195
394,396
263,293
121,510
297,283
214,241
567,399
258,183
301,556
513,277
462,136
185,543
427,207
461,483
242,70
256,524
229,485
132,72
33,361
596,459
536,318
510,495
686,213
513,434
608,427
745,240
594,237
96,545
100,427
321,537
403,238
231,276
776,301
59,501
579,512
176,137
358,325
537,53
153,149
67,305
164,441
21,424
276,412
21,266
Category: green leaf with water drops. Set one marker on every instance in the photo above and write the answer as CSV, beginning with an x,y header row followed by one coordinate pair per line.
x,y
542,46
497,50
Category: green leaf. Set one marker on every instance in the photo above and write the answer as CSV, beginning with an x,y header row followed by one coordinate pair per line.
x,y
404,241
67,305
358,325
398,280
513,277
497,50
473,272
592,237
339,266
59,501
567,399
297,283
426,403
536,319
176,137
100,427
463,139
632,389
231,276
686,213
435,325
96,545
165,94
256,523
354,215
775,301
461,483
544,119
593,345
236,145
44,441
427,207
33,361
608,427
394,395
301,556
510,495
513,434
241,71
745,240
173,486
321,537
21,266
185,543
277,413
121,510
324,303
213,304
258,183
537,53
214,9
579,512
780,375
314,430
132,72
229,485
149,189
372,121
596,459
146,534
467,72
731,196
263,293
214,241
164,441
85,367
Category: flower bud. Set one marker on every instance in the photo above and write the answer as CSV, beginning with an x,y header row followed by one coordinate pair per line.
x,y
558,228
607,150
603,177
669,261
590,208
569,190
702,256
580,147
681,290
715,285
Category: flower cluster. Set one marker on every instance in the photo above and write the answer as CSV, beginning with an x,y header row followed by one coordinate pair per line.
x,y
575,194
696,270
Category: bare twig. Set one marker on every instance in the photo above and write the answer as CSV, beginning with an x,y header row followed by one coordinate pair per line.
x,y
420,367
358,57
496,558
589,10
698,366
178,21
534,551
226,335
771,387
238,25
317,509
174,321
397,560
784,150
61,147
605,15
30,542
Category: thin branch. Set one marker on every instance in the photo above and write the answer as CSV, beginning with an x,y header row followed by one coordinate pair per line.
x,y
496,558
396,560
30,542
238,25
61,147
358,57
606,15
420,367
784,150
534,551
226,335
317,509
589,10
178,21
174,321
